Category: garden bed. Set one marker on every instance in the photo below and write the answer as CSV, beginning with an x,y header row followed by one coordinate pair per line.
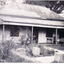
x,y
27,50
24,50
18,55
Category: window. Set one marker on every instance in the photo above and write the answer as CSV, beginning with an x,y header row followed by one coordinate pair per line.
x,y
14,31
49,32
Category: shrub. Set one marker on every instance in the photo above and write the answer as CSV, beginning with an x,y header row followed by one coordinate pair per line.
x,y
22,39
1,50
7,46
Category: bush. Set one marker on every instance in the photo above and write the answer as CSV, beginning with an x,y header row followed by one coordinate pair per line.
x,y
1,51
7,46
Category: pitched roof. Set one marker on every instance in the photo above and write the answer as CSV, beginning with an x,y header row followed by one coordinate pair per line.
x,y
30,11
30,15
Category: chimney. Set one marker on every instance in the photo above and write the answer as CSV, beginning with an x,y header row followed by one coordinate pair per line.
x,y
8,1
20,1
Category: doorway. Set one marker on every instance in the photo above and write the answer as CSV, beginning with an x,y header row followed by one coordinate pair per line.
x,y
61,35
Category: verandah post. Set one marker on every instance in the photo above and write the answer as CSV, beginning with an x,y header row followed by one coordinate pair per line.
x,y
3,33
32,34
56,35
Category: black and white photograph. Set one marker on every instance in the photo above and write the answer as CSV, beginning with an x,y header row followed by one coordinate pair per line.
x,y
31,31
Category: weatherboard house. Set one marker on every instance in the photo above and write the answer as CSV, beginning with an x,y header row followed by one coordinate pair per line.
x,y
19,19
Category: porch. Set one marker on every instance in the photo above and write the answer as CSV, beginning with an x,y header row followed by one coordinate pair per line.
x,y
41,34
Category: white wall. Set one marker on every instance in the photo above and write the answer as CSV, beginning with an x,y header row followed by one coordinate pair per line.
x,y
42,36
7,34
16,39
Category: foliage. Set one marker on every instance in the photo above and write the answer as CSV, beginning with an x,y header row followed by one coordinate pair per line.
x,y
6,47
1,50
56,6
2,3
22,39
26,38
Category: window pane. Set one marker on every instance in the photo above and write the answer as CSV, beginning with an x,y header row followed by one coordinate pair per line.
x,y
14,31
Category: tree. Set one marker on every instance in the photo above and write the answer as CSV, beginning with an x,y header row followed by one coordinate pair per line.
x,y
56,6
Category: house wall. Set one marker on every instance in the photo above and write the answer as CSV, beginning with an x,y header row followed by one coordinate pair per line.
x,y
7,33
42,36
22,31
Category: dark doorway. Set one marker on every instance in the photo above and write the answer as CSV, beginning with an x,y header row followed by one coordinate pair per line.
x,y
49,32
61,33
35,35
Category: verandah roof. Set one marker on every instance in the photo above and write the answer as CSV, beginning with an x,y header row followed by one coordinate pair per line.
x,y
9,20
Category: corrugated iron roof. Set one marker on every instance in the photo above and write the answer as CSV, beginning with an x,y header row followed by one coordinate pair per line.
x,y
30,11
30,15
